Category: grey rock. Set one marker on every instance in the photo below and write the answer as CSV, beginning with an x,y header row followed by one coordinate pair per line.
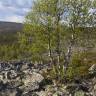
x,y
34,77
41,93
14,84
32,82
11,74
29,94
11,92
31,87
92,69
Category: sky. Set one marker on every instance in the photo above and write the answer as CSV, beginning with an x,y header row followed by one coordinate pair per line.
x,y
14,10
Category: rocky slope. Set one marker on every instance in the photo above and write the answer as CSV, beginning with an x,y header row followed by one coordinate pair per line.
x,y
21,78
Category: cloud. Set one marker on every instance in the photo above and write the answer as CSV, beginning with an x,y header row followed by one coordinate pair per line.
x,y
14,18
14,10
17,3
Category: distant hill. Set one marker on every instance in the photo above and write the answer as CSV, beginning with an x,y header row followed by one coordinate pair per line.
x,y
8,32
10,27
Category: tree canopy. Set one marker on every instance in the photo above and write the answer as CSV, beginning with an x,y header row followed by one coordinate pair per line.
x,y
54,29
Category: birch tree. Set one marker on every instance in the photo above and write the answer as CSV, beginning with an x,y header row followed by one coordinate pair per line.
x,y
54,27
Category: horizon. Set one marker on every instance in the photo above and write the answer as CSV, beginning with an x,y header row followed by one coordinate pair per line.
x,y
10,22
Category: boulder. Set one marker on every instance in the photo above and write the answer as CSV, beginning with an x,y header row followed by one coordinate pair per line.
x,y
30,87
32,81
41,93
14,84
30,94
34,77
11,74
92,69
8,92
1,77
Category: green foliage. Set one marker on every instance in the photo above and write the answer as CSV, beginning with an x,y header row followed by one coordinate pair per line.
x,y
9,52
9,48
80,64
79,67
51,29
8,38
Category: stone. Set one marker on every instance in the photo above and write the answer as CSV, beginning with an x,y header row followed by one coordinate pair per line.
x,y
58,93
30,94
11,74
32,81
1,77
41,93
95,87
31,87
14,84
34,77
94,90
92,69
11,92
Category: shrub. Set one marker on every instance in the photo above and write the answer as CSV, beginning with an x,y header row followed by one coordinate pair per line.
x,y
80,64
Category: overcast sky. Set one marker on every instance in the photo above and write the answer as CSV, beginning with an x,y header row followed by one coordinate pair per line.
x,y
14,10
